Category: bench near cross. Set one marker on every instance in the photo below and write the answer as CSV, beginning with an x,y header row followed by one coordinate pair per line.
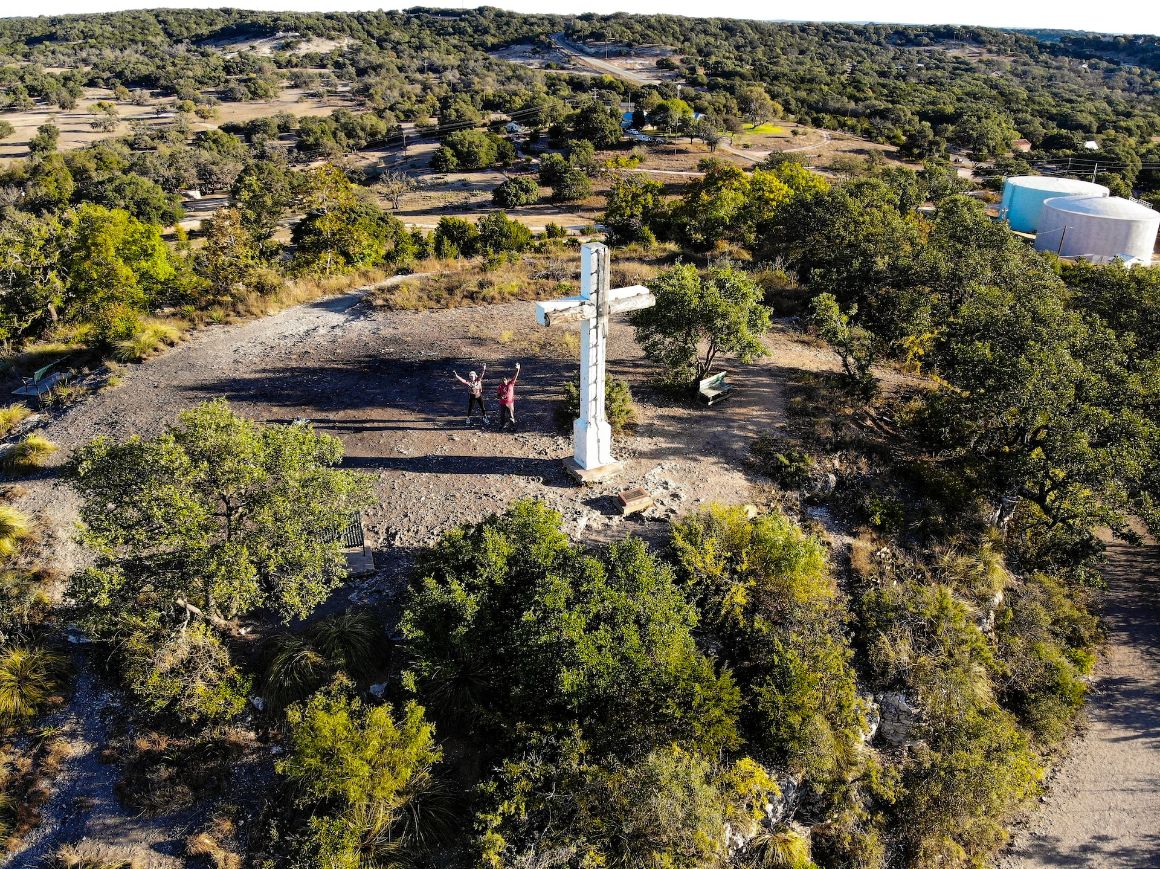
x,y
591,434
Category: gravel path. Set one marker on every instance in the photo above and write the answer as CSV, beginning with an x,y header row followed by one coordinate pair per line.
x,y
1103,806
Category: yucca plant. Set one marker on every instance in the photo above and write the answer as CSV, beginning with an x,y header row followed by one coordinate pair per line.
x,y
28,677
11,416
296,671
352,640
14,527
29,452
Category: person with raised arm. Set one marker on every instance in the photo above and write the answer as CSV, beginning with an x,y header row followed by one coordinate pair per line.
x,y
474,384
507,400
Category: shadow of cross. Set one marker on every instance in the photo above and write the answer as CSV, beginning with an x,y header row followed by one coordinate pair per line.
x,y
591,433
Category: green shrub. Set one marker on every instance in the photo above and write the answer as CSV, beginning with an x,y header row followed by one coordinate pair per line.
x,y
512,626
112,325
28,453
29,677
787,466
188,675
1046,646
618,404
764,588
366,771
521,190
884,513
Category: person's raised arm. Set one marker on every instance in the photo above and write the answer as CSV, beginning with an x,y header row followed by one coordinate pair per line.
x,y
460,379
483,372
516,376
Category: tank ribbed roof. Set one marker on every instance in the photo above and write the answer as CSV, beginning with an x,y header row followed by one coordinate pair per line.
x,y
1102,206
1050,182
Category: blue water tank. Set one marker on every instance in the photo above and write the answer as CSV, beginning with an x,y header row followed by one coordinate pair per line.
x,y
1024,195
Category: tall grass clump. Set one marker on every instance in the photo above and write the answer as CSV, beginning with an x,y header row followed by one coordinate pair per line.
x,y
14,527
28,678
97,855
11,416
152,336
29,452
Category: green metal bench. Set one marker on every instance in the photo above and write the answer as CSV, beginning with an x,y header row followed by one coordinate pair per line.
x,y
44,380
714,389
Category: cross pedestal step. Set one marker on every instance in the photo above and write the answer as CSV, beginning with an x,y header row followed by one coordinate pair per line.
x,y
589,476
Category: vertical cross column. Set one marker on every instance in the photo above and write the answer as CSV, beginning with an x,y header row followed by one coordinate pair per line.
x,y
591,433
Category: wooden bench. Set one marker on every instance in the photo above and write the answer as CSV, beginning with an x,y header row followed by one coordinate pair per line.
x,y
714,389
43,382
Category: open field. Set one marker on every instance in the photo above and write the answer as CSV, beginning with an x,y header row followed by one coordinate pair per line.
x,y
76,132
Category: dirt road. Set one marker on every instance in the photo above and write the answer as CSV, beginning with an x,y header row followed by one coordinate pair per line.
x,y
1103,806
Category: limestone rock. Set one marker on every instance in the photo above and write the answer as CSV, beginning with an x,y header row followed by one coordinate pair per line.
x,y
900,718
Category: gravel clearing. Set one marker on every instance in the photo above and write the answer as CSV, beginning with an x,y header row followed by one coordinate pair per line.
x,y
381,382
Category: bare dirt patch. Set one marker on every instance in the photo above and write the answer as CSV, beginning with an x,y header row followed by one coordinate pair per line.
x,y
76,132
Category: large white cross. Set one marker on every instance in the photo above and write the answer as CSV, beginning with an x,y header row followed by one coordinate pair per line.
x,y
591,434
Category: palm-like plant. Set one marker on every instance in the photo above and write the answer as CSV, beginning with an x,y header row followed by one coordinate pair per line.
x,y
296,671
28,677
351,640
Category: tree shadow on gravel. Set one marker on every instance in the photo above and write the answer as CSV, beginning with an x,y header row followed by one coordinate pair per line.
x,y
1099,851
549,472
425,390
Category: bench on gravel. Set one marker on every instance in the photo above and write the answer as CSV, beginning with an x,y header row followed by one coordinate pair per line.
x,y
714,388
43,381
360,558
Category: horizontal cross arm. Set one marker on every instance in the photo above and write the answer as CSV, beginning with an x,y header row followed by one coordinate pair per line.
x,y
632,303
627,292
564,311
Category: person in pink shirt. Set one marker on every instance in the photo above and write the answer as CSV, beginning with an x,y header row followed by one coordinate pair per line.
x,y
474,384
507,400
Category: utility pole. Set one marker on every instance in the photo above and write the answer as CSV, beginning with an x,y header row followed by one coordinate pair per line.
x,y
1095,169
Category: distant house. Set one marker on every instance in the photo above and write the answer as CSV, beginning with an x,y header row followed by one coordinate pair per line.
x,y
1021,145
1091,145
515,129
626,119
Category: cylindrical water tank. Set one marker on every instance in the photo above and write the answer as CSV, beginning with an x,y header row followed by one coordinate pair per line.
x,y
1024,195
1095,226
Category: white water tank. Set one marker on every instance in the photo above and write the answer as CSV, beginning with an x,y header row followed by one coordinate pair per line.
x,y
1024,195
1098,226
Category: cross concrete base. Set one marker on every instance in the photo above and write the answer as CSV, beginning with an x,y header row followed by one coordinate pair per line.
x,y
589,476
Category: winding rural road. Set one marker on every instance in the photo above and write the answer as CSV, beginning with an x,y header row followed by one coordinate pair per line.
x,y
1103,806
